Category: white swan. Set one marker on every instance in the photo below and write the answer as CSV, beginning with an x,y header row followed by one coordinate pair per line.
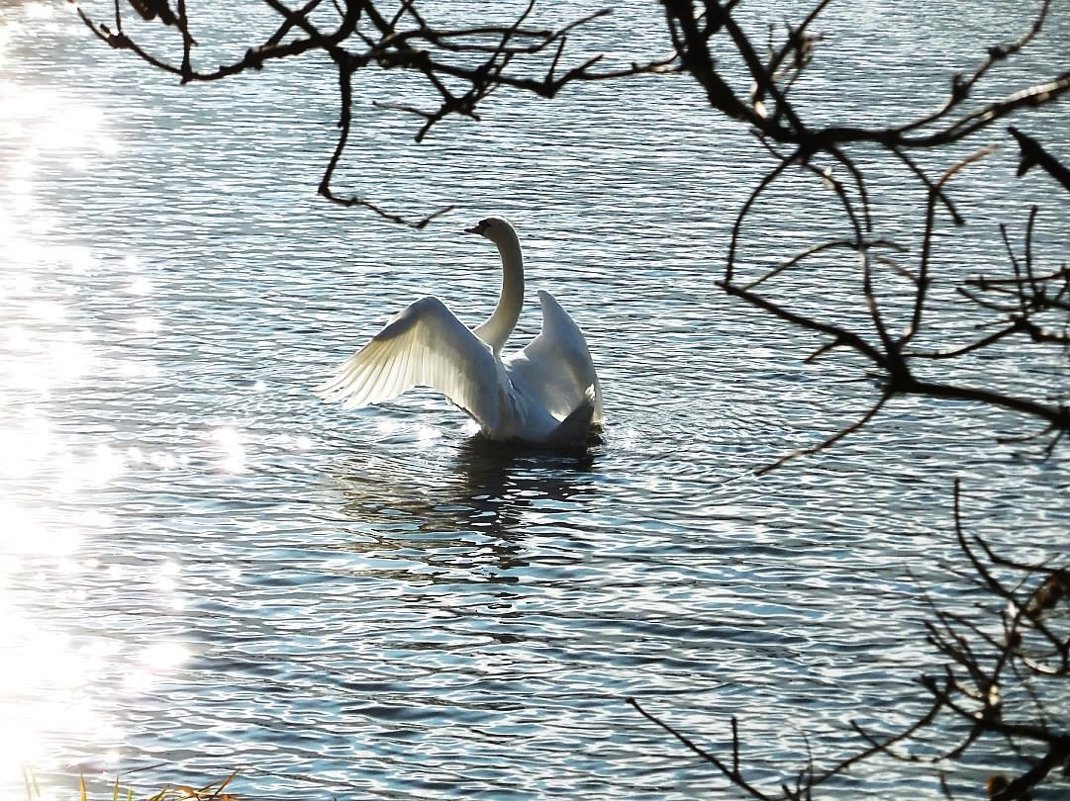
x,y
546,394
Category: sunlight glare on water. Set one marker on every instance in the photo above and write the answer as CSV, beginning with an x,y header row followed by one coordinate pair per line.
x,y
50,675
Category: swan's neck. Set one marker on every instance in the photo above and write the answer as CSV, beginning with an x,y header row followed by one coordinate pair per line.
x,y
496,330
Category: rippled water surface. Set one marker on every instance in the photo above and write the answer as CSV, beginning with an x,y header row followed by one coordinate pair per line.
x,y
204,568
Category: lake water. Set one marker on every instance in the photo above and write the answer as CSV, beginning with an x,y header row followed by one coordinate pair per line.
x,y
204,568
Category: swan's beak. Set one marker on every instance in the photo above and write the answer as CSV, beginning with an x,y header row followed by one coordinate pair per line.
x,y
473,230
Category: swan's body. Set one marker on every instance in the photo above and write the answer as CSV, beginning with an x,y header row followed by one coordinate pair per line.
x,y
546,394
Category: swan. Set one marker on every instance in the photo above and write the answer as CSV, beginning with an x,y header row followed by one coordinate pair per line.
x,y
546,394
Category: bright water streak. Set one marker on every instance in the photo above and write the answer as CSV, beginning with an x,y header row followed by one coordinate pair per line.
x,y
203,568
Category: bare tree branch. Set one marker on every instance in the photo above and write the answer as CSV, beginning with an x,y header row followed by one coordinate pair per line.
x,y
829,441
732,774
992,666
464,63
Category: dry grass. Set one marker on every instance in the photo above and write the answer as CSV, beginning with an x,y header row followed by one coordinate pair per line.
x,y
180,792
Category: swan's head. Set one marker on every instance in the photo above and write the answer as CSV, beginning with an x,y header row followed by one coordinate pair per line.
x,y
495,229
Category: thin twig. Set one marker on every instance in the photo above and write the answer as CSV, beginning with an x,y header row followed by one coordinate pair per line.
x,y
732,774
829,441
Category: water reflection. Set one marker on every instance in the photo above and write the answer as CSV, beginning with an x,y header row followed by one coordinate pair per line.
x,y
468,511
488,488
501,484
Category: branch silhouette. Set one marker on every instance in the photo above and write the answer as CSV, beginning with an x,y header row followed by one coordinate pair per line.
x,y
474,60
1004,673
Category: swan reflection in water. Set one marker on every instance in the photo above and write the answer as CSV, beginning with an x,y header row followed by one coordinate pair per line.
x,y
467,511
502,482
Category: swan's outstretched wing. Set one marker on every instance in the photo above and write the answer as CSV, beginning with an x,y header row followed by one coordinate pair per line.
x,y
556,366
425,345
